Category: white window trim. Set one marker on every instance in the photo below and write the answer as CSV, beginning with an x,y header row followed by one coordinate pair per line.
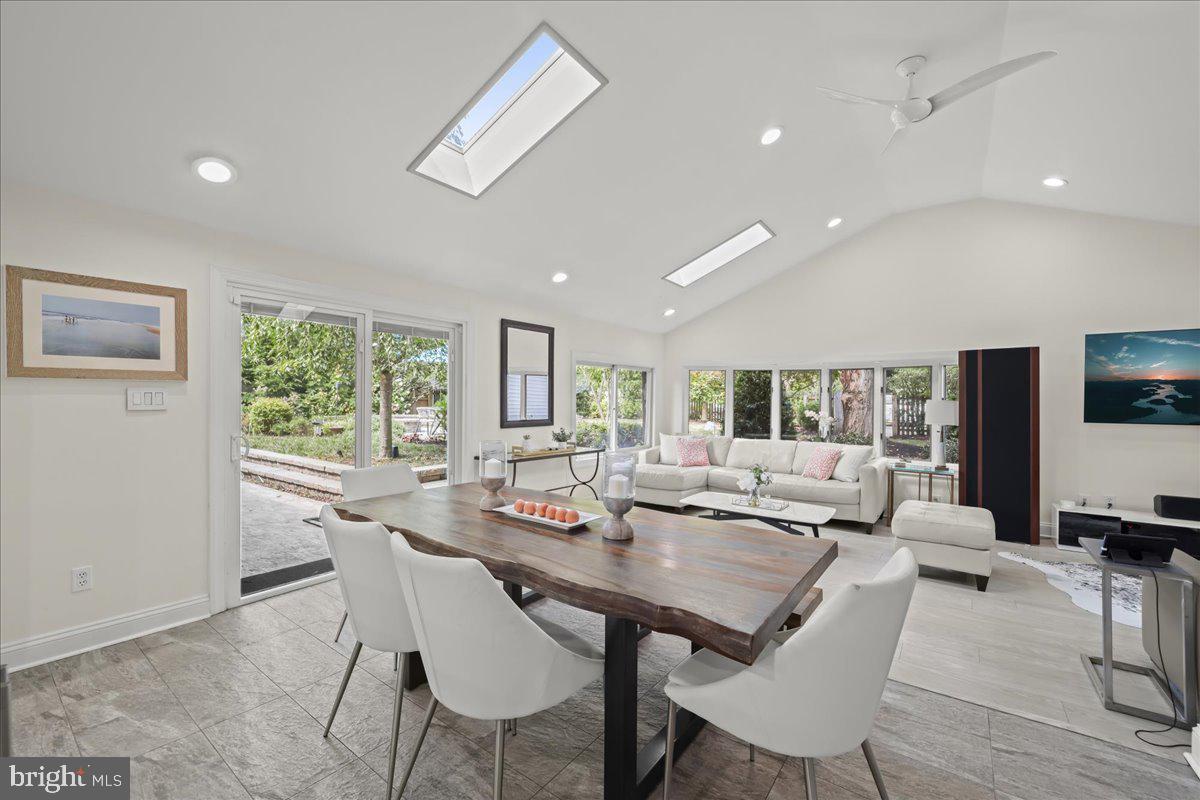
x,y
648,427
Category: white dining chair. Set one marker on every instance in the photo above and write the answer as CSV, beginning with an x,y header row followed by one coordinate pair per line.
x,y
483,656
376,604
359,484
813,691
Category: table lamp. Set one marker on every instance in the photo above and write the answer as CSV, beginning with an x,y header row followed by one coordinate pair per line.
x,y
939,413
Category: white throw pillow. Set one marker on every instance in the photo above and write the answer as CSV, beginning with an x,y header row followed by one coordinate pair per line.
x,y
718,450
853,457
669,447
780,455
744,453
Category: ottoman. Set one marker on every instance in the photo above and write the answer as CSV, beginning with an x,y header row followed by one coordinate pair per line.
x,y
947,536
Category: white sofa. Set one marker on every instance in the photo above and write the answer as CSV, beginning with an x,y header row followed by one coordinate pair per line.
x,y
855,492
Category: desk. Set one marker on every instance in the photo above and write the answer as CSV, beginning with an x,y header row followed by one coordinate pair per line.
x,y
720,585
920,471
1185,707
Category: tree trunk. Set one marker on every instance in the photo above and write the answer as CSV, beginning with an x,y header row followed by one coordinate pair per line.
x,y
856,401
385,414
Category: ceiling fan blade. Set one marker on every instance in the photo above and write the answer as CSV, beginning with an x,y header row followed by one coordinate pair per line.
x,y
895,132
846,97
988,76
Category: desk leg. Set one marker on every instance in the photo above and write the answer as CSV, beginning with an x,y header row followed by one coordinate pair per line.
x,y
514,471
620,709
1188,615
1106,621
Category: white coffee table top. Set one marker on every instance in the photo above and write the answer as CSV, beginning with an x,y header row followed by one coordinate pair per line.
x,y
802,513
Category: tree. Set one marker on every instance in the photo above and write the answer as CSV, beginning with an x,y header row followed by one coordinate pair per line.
x,y
707,390
855,386
405,367
752,403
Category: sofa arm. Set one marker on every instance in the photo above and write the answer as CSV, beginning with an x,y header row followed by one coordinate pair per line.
x,y
649,456
871,476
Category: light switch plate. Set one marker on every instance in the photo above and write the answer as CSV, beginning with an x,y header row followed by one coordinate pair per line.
x,y
145,399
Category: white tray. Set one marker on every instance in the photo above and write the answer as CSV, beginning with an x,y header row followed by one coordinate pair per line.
x,y
584,518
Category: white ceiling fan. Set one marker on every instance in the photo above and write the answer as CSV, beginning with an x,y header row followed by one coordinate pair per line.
x,y
914,109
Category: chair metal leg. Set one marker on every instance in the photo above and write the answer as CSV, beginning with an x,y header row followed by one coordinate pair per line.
x,y
498,785
669,756
412,759
397,709
395,662
345,682
512,726
342,624
810,778
875,773
753,752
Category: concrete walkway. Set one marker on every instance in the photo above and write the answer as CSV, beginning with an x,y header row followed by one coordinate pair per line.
x,y
274,534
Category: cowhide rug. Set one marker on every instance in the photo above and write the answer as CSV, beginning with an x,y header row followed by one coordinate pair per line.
x,y
1081,582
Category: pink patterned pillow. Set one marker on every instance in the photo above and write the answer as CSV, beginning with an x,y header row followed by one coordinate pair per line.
x,y
693,452
821,463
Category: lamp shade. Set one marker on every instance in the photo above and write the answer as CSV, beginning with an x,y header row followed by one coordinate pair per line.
x,y
941,412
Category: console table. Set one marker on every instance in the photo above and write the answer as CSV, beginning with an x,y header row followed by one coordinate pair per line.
x,y
567,454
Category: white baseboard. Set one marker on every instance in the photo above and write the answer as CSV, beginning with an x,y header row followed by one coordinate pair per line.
x,y
1046,531
36,650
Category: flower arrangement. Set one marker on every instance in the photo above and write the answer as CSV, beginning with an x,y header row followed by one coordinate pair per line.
x,y
753,483
823,421
561,436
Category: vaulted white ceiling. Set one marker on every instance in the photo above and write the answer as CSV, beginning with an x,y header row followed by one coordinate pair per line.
x,y
323,106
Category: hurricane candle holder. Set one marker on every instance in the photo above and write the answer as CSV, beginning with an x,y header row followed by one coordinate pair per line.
x,y
619,472
493,473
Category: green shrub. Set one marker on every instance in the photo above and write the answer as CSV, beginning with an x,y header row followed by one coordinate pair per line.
x,y
300,427
849,437
270,415
591,433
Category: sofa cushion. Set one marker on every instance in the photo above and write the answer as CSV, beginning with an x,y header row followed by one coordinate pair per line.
x,y
780,456
718,450
823,462
744,453
726,478
669,477
804,451
853,457
807,490
942,523
668,444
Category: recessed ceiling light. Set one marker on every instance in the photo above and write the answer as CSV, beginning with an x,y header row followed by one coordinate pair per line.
x,y
668,312
833,222
559,277
771,135
719,256
214,170
1054,182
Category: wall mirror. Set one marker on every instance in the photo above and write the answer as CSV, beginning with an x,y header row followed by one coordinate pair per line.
x,y
526,374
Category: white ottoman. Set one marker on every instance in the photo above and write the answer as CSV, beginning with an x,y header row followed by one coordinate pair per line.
x,y
947,536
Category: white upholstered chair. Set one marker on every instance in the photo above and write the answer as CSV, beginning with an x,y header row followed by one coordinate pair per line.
x,y
483,656
359,484
814,691
375,602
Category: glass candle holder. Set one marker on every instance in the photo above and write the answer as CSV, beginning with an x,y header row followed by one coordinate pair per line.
x,y
620,473
493,472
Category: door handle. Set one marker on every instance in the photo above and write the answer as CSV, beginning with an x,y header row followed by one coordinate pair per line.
x,y
239,446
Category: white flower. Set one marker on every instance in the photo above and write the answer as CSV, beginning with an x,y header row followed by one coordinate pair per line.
x,y
746,483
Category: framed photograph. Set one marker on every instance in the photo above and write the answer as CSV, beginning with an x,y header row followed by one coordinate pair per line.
x,y
77,326
1142,377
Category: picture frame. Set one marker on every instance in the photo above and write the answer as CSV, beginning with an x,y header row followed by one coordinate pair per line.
x,y
63,325
1142,377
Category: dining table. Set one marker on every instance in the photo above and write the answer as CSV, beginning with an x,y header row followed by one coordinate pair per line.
x,y
721,585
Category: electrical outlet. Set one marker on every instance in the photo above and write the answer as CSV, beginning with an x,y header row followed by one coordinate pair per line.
x,y
1109,501
1084,500
81,579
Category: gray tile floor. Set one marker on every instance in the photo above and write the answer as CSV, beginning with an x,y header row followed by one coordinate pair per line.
x,y
232,707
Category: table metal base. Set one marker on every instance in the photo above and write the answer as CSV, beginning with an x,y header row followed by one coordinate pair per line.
x,y
1095,669
584,482
782,524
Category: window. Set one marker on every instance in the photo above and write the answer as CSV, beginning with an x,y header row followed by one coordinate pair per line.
x,y
905,434
950,392
528,395
752,403
540,85
851,396
737,245
800,393
706,402
612,405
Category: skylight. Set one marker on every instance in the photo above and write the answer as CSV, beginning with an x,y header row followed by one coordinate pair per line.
x,y
737,245
538,87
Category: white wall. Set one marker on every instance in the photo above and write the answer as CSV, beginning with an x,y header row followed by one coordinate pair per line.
x,y
85,482
983,274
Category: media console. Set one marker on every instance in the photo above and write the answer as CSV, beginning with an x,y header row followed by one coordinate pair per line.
x,y
1070,524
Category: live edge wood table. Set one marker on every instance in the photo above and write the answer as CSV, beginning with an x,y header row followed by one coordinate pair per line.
x,y
720,585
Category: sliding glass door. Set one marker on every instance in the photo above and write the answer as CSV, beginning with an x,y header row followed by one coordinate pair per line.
x,y
410,397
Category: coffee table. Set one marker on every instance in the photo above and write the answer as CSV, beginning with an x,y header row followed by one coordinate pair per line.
x,y
722,507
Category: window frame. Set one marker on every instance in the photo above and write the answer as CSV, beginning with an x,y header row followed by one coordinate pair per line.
x,y
614,368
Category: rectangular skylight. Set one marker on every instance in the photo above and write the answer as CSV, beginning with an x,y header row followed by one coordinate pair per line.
x,y
737,245
536,89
